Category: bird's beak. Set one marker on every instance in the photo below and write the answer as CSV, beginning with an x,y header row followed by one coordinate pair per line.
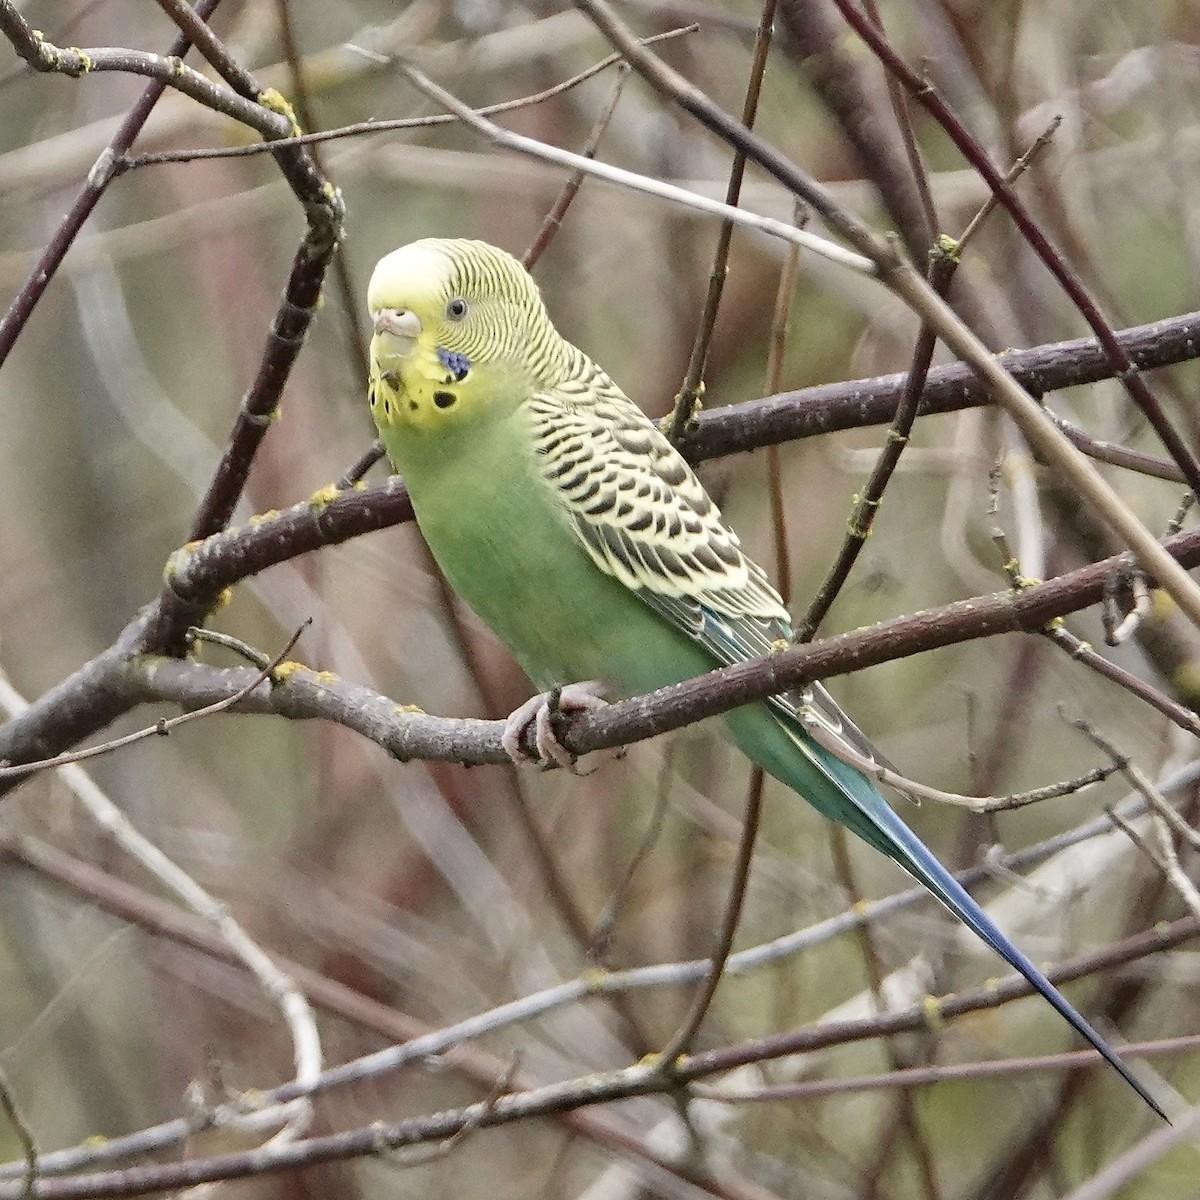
x,y
401,326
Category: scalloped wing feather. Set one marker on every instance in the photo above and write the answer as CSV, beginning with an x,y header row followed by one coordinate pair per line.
x,y
644,517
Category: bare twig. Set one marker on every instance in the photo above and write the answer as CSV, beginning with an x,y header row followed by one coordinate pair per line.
x,y
553,219
908,1077
944,260
898,275
606,922
351,316
407,734
976,804
323,209
361,128
1138,1158
1123,368
684,1035
829,408
102,689
1082,652
421,1043
776,350
630,179
23,304
691,391
595,1088
906,1115
160,728
1163,819
357,470
194,27
12,1110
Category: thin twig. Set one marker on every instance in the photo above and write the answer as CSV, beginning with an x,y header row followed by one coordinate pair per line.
x,y
365,461
909,1077
684,1035
606,922
776,353
408,734
898,275
1135,1163
12,1110
833,407
1082,652
294,1008
323,209
424,1155
1123,368
415,1045
361,128
243,649
94,186
977,804
553,219
906,1116
351,315
1190,835
160,728
691,391
195,28
1166,858
909,138
1117,455
102,689
594,1088
632,180
944,261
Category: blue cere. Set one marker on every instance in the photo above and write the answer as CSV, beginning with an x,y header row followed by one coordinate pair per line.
x,y
457,364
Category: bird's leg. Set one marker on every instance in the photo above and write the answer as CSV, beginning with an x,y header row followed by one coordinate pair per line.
x,y
540,711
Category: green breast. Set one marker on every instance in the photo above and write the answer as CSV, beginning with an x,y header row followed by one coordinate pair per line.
x,y
503,542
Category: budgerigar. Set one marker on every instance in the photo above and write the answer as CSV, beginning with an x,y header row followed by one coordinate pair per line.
x,y
576,531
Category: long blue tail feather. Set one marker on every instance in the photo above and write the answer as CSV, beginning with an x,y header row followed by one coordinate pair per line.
x,y
842,793
916,858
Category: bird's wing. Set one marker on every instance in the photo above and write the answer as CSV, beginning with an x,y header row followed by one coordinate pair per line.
x,y
643,517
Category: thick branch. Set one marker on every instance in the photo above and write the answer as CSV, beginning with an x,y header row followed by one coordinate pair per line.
x,y
407,732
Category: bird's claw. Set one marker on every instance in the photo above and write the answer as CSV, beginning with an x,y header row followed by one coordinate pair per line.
x,y
540,712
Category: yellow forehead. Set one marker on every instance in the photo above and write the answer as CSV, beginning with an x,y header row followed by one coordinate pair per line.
x,y
410,277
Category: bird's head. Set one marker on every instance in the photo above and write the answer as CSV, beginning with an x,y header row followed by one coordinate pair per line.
x,y
459,329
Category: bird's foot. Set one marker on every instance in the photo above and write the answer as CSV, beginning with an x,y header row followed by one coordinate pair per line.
x,y
541,713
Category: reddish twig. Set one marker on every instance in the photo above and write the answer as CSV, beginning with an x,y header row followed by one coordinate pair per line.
x,y
1123,368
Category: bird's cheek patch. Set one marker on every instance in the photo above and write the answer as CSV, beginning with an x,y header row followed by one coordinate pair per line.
x,y
457,364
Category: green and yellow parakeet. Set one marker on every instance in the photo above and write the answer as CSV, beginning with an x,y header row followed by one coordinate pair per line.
x,y
577,532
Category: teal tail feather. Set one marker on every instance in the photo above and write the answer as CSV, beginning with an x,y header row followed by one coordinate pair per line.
x,y
842,793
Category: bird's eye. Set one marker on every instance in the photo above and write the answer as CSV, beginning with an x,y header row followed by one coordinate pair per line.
x,y
456,309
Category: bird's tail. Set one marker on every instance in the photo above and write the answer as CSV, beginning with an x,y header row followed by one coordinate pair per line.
x,y
839,791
